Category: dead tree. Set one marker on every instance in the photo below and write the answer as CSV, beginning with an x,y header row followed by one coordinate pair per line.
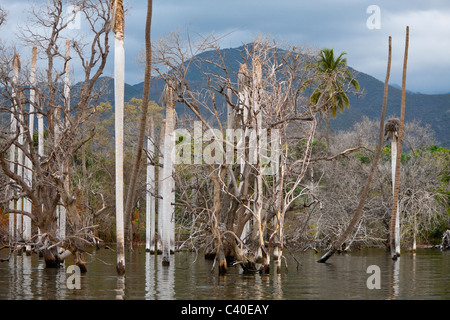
x,y
239,189
52,164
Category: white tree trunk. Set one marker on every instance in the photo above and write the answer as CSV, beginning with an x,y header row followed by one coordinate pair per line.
x,y
172,216
160,188
28,163
12,151
257,92
62,208
167,185
150,198
20,160
119,85
414,246
40,119
397,221
244,104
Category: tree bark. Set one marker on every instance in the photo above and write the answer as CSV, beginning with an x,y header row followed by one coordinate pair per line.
x,y
394,218
338,243
394,144
119,85
160,188
12,151
131,194
150,193
167,181
28,163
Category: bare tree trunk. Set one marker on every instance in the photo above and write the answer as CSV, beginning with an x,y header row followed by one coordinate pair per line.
x,y
119,83
28,163
257,92
414,246
338,243
151,191
394,218
131,194
160,191
20,155
167,180
244,104
62,209
393,163
12,149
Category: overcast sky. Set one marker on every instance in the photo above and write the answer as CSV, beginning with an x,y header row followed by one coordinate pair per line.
x,y
345,25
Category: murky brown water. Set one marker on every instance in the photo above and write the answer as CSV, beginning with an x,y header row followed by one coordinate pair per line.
x,y
425,275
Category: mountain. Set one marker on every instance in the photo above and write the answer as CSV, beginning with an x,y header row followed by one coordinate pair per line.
x,y
429,109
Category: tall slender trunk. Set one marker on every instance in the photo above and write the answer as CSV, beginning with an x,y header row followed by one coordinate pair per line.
x,y
62,209
12,150
393,163
131,194
414,246
327,131
40,119
280,219
160,188
167,181
257,92
244,104
119,85
338,243
394,218
20,154
172,216
150,193
28,163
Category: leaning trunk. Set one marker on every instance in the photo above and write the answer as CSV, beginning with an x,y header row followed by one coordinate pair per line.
x,y
131,194
338,243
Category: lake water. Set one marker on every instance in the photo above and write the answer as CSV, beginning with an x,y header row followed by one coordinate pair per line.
x,y
424,275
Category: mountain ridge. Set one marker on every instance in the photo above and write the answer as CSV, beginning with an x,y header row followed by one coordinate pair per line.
x,y
432,109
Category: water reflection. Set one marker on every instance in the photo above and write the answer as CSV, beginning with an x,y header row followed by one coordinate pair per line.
x,y
395,279
120,291
425,275
27,278
159,279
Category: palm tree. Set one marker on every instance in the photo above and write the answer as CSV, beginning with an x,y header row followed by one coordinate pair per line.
x,y
334,80
338,243
119,85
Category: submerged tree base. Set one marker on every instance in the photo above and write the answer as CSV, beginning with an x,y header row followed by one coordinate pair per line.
x,y
120,268
165,262
51,258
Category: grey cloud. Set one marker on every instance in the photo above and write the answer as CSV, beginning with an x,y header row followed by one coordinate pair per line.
x,y
323,23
